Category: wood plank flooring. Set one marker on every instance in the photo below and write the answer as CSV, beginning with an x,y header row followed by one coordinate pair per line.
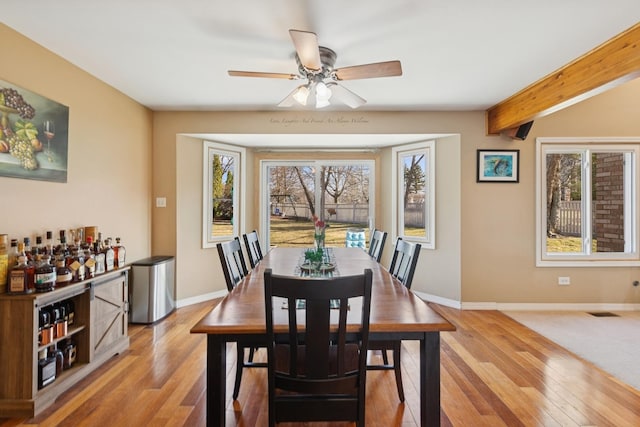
x,y
494,372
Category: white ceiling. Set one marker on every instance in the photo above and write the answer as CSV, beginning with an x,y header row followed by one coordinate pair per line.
x,y
455,54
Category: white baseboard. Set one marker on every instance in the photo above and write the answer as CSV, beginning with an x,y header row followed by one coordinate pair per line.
x,y
200,298
501,306
519,306
439,300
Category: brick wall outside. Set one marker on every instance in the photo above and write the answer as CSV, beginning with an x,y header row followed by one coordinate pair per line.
x,y
608,214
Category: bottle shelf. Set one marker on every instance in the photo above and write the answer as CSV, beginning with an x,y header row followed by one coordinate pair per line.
x,y
70,332
99,332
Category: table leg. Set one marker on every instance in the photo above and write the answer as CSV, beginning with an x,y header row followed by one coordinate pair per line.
x,y
430,380
216,380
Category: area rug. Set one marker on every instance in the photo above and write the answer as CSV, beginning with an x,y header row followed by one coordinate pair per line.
x,y
609,340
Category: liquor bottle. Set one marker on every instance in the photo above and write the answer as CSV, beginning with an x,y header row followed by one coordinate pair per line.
x,y
58,320
45,274
120,254
63,237
76,265
39,245
109,255
69,352
70,311
63,324
63,272
99,257
44,322
49,243
89,259
27,248
13,253
19,274
46,370
59,355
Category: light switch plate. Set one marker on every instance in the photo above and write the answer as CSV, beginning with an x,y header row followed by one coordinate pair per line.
x,y
161,202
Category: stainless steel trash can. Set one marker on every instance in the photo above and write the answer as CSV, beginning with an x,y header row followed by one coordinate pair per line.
x,y
152,289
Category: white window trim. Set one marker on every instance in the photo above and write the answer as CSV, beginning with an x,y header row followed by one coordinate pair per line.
x,y
543,259
264,187
210,148
397,174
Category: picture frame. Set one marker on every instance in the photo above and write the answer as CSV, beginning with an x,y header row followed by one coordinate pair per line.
x,y
34,135
501,166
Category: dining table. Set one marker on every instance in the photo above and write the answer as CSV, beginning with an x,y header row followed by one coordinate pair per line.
x,y
396,314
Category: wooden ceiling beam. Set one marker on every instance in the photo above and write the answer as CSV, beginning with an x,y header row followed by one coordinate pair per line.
x,y
610,64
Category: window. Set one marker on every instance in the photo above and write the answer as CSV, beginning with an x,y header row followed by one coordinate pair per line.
x,y
414,169
339,192
222,177
586,198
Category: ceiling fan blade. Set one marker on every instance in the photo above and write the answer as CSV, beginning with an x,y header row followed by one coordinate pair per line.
x,y
345,96
236,73
307,48
367,71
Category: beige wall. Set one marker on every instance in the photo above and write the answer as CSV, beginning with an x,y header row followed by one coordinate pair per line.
x,y
486,232
199,272
122,156
499,220
109,158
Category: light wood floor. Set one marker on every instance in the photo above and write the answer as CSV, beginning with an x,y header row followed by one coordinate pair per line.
x,y
495,372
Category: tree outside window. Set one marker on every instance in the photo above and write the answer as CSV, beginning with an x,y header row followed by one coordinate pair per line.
x,y
220,205
416,188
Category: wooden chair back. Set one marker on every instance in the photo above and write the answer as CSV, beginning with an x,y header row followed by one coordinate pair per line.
x,y
252,244
404,261
378,238
232,260
317,369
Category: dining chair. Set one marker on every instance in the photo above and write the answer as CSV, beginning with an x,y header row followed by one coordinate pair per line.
x,y
235,269
404,261
252,244
403,266
378,237
318,374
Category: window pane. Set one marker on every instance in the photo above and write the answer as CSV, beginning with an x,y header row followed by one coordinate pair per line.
x,y
222,197
345,204
335,192
608,208
564,203
415,197
290,190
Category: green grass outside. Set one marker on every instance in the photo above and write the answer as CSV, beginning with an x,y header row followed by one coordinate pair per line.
x,y
568,244
299,233
289,232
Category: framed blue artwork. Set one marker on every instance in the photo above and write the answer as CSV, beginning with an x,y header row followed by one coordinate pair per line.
x,y
34,135
498,166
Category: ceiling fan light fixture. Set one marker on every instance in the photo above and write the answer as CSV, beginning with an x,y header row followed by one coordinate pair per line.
x,y
323,94
301,94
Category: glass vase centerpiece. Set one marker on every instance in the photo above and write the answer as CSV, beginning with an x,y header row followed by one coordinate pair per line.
x,y
319,232
313,258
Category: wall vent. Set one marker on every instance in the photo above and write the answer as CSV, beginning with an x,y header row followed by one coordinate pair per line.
x,y
604,314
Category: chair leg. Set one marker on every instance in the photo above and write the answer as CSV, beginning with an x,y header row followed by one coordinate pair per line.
x,y
239,366
252,350
385,358
398,369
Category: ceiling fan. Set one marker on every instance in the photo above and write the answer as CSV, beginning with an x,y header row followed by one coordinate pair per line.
x,y
315,64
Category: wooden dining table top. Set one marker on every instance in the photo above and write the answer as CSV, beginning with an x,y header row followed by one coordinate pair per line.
x,y
394,308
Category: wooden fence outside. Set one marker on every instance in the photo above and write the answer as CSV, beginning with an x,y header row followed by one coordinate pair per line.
x,y
352,213
570,218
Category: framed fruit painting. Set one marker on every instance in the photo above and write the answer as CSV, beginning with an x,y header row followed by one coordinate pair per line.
x,y
34,135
